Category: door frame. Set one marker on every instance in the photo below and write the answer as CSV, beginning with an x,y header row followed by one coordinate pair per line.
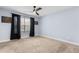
x,y
16,35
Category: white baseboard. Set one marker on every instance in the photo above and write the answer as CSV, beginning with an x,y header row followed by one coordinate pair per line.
x,y
5,40
62,40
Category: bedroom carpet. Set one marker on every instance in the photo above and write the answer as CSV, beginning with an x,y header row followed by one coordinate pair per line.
x,y
37,45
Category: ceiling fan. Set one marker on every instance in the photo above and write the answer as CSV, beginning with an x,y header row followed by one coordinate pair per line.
x,y
35,9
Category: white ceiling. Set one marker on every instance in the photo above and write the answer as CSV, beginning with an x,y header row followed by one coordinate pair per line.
x,y
45,9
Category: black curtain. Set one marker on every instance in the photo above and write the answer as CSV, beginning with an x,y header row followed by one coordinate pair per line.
x,y
15,27
32,27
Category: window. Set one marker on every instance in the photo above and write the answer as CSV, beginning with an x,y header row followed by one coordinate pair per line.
x,y
25,26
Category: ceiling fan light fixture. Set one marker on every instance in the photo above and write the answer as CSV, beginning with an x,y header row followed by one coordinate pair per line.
x,y
34,13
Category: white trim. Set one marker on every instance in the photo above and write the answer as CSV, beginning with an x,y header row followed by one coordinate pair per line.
x,y
66,41
5,40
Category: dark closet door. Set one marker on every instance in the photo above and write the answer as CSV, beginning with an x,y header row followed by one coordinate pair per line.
x,y
15,27
32,27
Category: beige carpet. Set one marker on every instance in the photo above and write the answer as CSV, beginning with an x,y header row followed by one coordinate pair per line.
x,y
37,45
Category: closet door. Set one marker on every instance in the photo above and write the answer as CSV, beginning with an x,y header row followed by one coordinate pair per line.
x,y
15,27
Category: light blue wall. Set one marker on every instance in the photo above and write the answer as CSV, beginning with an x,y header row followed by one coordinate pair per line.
x,y
5,32
4,27
63,25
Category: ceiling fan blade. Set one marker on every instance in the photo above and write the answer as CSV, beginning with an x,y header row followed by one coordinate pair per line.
x,y
37,13
38,9
33,10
